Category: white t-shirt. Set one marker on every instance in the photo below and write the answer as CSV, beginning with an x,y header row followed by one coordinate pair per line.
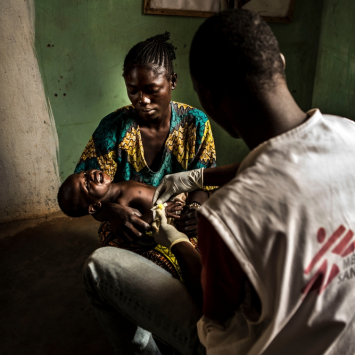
x,y
288,217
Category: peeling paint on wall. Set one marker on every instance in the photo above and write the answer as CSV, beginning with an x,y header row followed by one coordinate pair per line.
x,y
28,136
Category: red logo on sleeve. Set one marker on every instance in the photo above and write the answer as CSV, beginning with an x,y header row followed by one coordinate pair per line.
x,y
343,245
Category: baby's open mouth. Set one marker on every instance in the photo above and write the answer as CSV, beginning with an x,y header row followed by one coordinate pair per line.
x,y
99,177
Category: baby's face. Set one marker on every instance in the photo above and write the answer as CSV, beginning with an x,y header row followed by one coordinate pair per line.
x,y
89,187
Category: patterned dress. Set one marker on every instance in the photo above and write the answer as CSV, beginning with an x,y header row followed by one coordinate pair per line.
x,y
116,148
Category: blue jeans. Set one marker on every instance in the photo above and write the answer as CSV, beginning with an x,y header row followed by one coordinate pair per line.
x,y
133,298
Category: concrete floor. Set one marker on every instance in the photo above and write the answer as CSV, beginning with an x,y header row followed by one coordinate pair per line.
x,y
43,307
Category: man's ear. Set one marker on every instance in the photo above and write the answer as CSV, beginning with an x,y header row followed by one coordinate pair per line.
x,y
94,208
283,60
173,80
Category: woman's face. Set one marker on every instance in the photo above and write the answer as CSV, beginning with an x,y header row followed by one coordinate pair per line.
x,y
150,92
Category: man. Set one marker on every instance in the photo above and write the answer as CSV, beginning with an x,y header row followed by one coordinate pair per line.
x,y
277,239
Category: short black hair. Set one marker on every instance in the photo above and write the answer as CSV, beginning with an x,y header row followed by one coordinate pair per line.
x,y
154,52
237,45
70,207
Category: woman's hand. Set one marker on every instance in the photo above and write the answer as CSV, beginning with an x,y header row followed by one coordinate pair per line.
x,y
174,184
187,223
125,222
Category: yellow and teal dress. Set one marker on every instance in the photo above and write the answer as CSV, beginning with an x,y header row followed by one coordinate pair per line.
x,y
116,148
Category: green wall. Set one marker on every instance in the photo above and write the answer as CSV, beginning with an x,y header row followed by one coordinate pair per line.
x,y
334,88
81,45
299,44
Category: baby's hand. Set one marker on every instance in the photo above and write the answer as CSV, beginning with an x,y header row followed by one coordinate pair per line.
x,y
173,209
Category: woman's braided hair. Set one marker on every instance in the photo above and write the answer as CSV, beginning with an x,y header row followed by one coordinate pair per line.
x,y
154,52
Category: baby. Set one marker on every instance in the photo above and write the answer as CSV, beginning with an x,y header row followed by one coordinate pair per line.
x,y
84,193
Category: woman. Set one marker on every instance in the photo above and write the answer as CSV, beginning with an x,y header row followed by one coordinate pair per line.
x,y
147,140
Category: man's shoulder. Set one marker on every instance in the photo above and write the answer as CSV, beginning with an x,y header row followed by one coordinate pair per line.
x,y
342,125
258,191
341,119
291,169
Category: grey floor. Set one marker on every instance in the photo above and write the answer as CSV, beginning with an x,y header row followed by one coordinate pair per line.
x,y
43,307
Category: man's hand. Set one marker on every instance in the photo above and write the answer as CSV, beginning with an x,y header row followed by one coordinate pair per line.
x,y
187,223
174,184
125,222
164,233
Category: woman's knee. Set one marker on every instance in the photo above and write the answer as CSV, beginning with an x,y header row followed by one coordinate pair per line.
x,y
96,266
107,264
91,268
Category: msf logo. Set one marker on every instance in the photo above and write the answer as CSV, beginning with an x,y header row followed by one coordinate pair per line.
x,y
339,243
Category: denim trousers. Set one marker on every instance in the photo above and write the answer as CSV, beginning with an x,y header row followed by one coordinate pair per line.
x,y
133,298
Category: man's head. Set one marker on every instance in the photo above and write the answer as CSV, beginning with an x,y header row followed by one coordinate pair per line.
x,y
235,49
234,54
83,193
